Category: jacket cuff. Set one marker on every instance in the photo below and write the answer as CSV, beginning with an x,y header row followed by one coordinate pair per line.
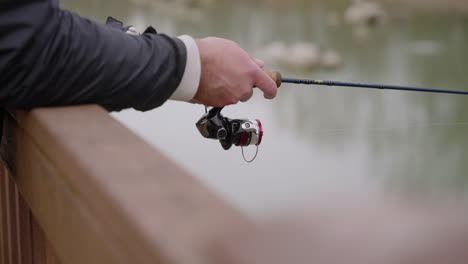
x,y
190,81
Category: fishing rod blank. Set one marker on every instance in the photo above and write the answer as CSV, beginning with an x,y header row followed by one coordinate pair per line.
x,y
276,76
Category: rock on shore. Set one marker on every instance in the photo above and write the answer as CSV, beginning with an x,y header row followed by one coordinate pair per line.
x,y
300,55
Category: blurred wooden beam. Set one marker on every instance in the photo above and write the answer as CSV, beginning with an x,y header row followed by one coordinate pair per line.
x,y
103,195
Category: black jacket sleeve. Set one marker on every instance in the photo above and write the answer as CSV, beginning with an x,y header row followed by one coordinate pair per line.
x,y
50,57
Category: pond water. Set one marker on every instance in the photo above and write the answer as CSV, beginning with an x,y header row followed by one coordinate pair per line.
x,y
321,142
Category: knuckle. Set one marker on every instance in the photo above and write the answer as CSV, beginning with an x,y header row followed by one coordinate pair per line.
x,y
232,100
246,93
251,71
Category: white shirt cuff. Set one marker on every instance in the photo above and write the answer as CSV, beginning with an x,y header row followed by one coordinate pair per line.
x,y
188,86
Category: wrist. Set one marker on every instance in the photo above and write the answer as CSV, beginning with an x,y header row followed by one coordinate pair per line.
x,y
190,81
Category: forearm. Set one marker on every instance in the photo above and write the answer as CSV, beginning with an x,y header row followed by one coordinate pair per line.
x,y
71,60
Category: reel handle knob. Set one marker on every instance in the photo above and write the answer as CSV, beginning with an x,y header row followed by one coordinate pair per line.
x,y
275,76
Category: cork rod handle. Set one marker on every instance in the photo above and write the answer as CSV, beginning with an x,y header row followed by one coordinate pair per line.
x,y
275,76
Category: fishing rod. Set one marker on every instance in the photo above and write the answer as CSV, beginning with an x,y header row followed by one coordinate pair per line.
x,y
246,132
276,76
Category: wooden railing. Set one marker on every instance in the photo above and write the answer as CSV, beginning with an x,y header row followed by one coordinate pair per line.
x,y
76,186
82,188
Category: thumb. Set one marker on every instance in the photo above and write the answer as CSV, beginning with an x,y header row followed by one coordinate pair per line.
x,y
266,84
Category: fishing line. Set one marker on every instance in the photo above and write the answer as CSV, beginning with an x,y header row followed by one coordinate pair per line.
x,y
252,159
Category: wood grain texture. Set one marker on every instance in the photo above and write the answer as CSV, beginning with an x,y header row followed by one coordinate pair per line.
x,y
16,225
42,252
25,236
103,195
13,229
3,217
70,228
9,210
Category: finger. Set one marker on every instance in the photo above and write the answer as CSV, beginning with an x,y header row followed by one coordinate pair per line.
x,y
247,96
266,84
259,62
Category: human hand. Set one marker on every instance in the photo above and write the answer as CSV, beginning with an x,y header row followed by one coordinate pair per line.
x,y
228,74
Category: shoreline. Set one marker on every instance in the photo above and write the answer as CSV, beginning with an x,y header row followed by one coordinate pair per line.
x,y
443,5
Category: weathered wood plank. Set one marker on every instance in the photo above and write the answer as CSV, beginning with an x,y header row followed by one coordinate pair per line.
x,y
8,224
3,227
42,252
76,234
38,245
103,195
25,232
13,219
15,225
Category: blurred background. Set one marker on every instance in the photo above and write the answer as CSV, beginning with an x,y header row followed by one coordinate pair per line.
x,y
321,142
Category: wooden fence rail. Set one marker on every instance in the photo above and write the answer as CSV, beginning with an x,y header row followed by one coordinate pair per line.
x,y
82,188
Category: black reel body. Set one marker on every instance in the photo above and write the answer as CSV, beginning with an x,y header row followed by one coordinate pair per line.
x,y
238,132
